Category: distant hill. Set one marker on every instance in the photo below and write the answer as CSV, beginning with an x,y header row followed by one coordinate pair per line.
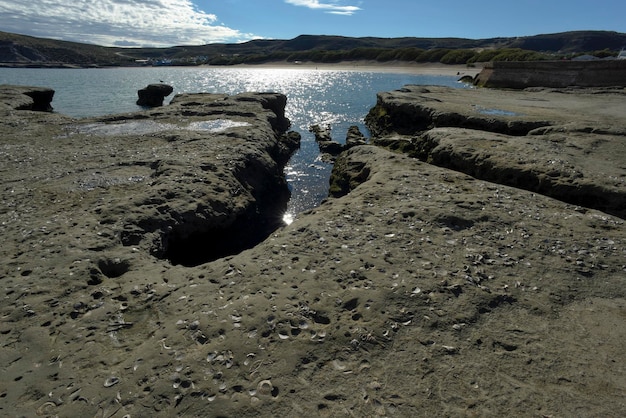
x,y
572,42
21,50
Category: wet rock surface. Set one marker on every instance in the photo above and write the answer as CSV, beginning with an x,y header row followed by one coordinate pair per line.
x,y
415,291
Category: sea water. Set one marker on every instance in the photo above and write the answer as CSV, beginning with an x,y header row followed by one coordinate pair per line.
x,y
326,97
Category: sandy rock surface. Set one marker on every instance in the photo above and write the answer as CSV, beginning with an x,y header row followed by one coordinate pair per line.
x,y
415,291
569,144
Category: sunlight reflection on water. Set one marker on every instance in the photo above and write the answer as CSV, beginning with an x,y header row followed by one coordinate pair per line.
x,y
326,97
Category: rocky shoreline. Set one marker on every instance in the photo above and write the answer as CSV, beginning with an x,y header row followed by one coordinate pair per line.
x,y
414,290
567,143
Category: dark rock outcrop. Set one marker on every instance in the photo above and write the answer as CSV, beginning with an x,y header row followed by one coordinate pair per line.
x,y
153,95
355,137
331,148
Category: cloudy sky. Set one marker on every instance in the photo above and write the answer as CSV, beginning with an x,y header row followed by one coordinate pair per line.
x,y
194,22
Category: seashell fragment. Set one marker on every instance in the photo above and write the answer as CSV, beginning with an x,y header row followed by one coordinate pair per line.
x,y
44,409
111,381
338,365
264,388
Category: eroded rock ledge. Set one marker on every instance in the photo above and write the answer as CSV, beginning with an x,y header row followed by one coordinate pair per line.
x,y
567,144
191,182
26,98
417,291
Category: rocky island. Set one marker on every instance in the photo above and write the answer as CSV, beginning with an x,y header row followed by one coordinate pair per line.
x,y
470,261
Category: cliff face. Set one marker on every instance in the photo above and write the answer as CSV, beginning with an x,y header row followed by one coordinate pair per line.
x,y
559,74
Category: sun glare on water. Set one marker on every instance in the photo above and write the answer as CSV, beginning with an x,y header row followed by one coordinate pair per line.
x,y
288,218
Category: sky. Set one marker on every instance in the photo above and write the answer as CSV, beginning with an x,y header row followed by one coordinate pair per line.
x,y
162,23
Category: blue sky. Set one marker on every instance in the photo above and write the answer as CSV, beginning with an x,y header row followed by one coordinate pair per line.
x,y
194,22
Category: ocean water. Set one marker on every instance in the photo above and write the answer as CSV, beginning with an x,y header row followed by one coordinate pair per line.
x,y
327,97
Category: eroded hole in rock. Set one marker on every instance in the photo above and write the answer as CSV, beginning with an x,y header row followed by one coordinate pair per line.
x,y
203,247
455,223
200,238
113,268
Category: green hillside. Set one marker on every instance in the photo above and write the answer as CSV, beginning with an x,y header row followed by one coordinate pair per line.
x,y
21,50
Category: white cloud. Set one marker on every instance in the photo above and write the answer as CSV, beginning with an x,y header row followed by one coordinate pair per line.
x,y
330,7
117,22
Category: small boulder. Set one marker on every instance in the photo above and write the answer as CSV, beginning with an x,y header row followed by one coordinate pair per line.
x,y
153,95
333,148
322,133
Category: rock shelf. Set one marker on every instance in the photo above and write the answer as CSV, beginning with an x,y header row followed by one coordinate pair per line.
x,y
156,181
416,290
569,144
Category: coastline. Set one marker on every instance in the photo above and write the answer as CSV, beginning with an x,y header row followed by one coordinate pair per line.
x,y
391,67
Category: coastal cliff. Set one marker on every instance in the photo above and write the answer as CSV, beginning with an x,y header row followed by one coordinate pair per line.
x,y
415,290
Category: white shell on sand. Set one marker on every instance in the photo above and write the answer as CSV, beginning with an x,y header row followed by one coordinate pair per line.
x,y
264,388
